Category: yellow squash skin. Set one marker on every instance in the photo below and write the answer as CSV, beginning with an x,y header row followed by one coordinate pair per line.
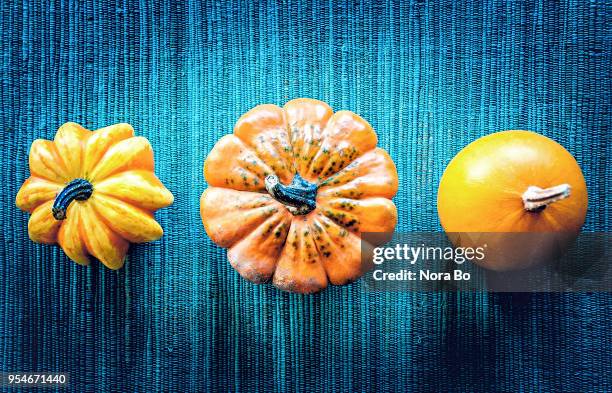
x,y
125,195
337,152
481,192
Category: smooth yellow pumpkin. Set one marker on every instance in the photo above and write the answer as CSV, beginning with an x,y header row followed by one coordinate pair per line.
x,y
292,190
93,192
513,182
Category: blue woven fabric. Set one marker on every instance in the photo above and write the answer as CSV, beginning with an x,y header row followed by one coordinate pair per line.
x,y
429,76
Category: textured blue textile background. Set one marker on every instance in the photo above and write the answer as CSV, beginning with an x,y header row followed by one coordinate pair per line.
x,y
429,76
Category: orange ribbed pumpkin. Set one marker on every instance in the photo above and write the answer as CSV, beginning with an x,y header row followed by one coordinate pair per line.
x,y
291,191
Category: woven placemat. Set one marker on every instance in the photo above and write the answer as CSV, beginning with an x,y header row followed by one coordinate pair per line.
x,y
429,76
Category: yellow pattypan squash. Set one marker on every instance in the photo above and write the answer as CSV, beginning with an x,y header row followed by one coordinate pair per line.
x,y
93,192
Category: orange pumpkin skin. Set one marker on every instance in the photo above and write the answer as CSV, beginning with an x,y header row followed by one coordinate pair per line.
x,y
336,154
482,191
114,169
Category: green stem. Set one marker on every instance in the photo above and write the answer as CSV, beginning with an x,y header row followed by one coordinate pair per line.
x,y
300,196
76,190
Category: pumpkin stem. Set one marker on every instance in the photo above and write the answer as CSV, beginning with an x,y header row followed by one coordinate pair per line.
x,y
77,189
535,199
299,196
